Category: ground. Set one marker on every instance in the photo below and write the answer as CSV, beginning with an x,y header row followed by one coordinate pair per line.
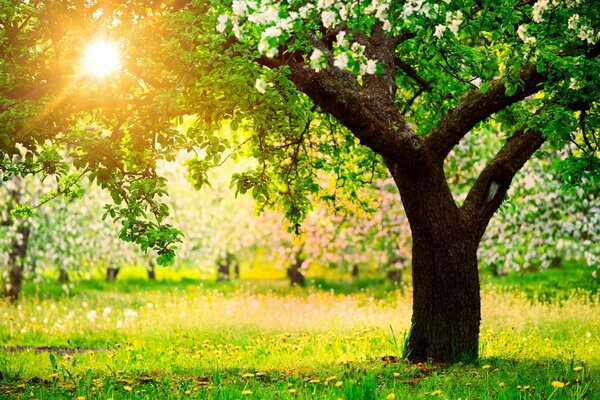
x,y
135,339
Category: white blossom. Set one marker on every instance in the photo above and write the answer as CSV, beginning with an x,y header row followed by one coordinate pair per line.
x,y
439,31
539,8
341,61
573,21
522,33
260,86
340,38
371,67
222,22
329,18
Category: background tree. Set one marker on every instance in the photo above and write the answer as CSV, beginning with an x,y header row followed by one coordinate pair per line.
x,y
341,87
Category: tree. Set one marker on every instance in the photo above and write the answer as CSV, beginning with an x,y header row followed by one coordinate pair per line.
x,y
343,87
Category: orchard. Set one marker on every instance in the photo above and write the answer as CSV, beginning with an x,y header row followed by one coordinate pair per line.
x,y
434,142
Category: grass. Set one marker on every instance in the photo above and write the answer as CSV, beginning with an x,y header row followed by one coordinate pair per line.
x,y
182,339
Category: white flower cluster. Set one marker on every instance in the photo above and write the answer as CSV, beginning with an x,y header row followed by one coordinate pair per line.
x,y
453,21
273,23
524,35
584,31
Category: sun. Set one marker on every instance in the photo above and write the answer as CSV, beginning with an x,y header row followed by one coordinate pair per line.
x,y
101,58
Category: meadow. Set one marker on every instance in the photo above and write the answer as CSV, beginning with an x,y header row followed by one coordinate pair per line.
x,y
182,338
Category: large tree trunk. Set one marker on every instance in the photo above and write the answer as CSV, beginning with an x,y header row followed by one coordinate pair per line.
x,y
446,300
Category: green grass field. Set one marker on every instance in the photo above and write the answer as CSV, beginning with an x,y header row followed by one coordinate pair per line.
x,y
180,339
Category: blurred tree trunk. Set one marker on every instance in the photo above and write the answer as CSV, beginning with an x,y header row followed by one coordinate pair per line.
x,y
224,267
19,244
111,274
16,262
294,271
236,270
354,271
63,276
394,272
151,271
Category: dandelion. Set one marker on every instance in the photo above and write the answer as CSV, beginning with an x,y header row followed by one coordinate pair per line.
x,y
339,383
436,392
80,397
396,374
486,366
558,384
292,391
139,357
391,396
188,392
315,381
246,392
248,375
127,388
502,384
577,369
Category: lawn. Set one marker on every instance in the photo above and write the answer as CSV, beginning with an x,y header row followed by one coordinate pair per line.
x,y
183,339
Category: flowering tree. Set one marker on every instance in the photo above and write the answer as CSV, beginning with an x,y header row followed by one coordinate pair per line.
x,y
345,87
373,233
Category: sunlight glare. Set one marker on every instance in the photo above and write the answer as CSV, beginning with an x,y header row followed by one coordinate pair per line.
x,y
101,58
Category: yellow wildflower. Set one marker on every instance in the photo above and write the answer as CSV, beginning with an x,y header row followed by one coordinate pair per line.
x,y
292,391
577,369
188,392
396,374
436,392
502,384
315,381
339,383
486,366
247,375
80,397
391,396
127,388
246,392
558,384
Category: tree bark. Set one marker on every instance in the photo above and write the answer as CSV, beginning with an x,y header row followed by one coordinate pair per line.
x,y
63,276
151,273
15,262
294,272
446,299
111,274
223,273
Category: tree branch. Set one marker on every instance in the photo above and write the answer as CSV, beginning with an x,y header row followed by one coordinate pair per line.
x,y
411,73
475,107
489,190
368,110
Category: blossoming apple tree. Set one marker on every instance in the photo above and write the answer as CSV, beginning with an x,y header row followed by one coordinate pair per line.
x,y
380,84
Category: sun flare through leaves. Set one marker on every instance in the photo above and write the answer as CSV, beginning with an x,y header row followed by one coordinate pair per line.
x,y
101,58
